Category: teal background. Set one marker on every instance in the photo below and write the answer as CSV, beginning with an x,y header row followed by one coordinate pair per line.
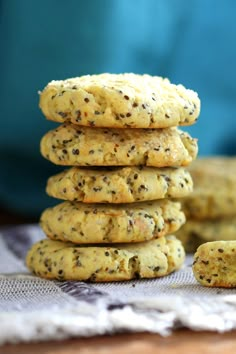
x,y
190,41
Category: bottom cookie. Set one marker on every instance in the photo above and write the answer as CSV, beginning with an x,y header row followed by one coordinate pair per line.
x,y
67,261
215,264
195,232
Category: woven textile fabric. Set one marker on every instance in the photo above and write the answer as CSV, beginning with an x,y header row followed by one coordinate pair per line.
x,y
36,309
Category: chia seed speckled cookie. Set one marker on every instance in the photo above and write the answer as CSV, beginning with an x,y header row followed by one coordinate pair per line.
x,y
103,223
215,264
101,263
120,101
196,232
72,145
214,193
119,185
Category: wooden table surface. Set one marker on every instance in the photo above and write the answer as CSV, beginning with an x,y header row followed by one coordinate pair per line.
x,y
180,342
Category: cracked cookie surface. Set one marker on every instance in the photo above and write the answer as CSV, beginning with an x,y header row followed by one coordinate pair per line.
x,y
119,185
120,101
66,261
105,223
72,145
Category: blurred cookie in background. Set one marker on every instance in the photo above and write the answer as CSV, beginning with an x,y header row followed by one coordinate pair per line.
x,y
211,208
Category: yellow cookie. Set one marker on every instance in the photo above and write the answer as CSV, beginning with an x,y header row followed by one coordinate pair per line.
x,y
72,145
196,232
67,261
119,185
105,223
215,264
214,194
120,101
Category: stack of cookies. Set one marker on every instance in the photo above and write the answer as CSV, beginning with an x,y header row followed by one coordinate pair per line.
x,y
211,208
120,137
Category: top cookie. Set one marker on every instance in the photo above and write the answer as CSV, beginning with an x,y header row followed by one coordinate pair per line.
x,y
214,193
120,101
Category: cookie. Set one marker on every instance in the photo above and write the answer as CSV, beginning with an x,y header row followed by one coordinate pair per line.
x,y
101,263
215,264
214,193
120,101
71,145
119,185
196,232
104,223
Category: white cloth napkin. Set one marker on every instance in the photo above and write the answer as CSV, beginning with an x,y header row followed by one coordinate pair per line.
x,y
36,309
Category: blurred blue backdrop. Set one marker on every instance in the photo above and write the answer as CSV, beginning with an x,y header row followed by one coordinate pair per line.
x,y
189,41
